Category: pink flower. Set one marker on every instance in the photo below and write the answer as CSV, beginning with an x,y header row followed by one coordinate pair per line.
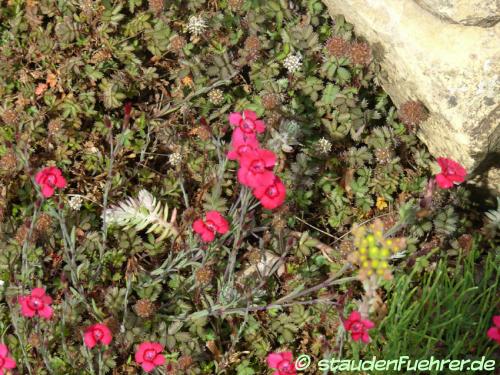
x,y
451,172
6,362
494,332
247,122
242,143
214,223
358,327
148,355
50,178
97,333
282,362
272,195
255,168
36,303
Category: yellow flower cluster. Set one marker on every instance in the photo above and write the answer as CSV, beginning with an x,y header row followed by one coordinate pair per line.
x,y
373,251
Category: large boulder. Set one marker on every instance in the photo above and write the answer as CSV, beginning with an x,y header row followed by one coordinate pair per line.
x,y
451,68
466,12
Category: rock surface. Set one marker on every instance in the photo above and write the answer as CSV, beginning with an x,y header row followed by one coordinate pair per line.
x,y
465,12
454,70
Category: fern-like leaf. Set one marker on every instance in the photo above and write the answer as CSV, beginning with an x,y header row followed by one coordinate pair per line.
x,y
144,212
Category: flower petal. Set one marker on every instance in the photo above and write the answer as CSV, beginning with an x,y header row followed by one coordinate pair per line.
x,y
88,339
61,182
107,336
368,323
208,236
47,191
494,334
159,360
199,226
365,338
250,115
235,118
260,126
148,366
9,363
3,350
26,311
496,320
274,359
443,181
287,356
46,312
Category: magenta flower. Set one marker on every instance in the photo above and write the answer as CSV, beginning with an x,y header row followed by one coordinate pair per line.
x,y
149,356
282,362
36,303
358,327
50,178
451,173
494,332
214,223
6,362
97,333
247,122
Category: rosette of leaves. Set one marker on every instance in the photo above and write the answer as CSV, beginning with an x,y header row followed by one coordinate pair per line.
x,y
341,113
144,212
221,66
446,221
285,138
287,325
336,69
302,36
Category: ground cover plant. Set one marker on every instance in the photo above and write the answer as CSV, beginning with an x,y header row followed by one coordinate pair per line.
x,y
204,187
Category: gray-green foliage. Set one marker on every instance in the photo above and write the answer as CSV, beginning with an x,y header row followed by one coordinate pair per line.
x,y
143,212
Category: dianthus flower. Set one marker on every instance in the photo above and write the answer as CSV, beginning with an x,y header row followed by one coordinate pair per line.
x,y
358,327
97,333
214,223
36,303
50,178
149,356
272,195
451,172
255,168
282,363
247,122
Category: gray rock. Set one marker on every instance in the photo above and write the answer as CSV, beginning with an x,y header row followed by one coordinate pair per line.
x,y
454,70
465,12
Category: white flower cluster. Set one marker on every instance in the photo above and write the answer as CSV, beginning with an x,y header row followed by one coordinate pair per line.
x,y
175,158
293,62
196,25
216,96
75,202
324,146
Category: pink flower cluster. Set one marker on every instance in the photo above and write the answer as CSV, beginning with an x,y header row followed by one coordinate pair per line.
x,y
37,303
256,163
